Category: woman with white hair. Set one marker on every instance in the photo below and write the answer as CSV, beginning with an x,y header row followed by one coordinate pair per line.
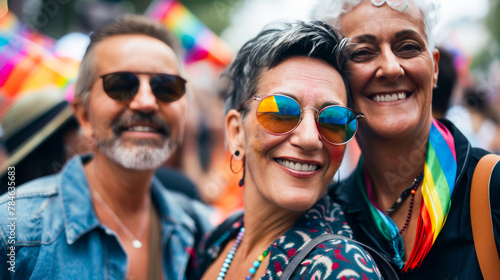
x,y
409,195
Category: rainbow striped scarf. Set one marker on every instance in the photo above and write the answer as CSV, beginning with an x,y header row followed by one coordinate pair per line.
x,y
437,186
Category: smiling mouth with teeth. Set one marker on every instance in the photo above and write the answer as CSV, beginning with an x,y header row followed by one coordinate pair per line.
x,y
389,97
142,129
297,166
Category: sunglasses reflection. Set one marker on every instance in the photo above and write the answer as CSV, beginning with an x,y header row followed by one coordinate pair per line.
x,y
280,114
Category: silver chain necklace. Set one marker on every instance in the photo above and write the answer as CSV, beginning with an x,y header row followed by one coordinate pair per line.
x,y
135,239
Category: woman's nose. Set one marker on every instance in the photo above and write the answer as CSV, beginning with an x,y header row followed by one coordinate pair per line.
x,y
389,66
306,135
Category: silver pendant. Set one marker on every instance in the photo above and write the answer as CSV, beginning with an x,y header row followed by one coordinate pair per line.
x,y
136,243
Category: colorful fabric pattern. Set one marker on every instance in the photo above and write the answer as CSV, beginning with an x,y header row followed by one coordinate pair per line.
x,y
439,181
334,259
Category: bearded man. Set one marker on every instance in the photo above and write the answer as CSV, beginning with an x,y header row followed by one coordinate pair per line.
x,y
106,216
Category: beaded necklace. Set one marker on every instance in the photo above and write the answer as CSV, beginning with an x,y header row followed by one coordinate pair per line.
x,y
412,189
230,256
404,195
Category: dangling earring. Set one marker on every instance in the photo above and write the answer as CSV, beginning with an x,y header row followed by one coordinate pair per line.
x,y
242,181
237,153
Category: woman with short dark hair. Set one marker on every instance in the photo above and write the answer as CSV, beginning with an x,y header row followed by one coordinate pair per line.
x,y
286,126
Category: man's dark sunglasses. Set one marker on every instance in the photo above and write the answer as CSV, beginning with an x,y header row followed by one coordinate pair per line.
x,y
123,86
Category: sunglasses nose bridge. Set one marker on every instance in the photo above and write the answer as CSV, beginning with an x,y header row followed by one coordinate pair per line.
x,y
144,83
302,115
316,113
306,133
144,98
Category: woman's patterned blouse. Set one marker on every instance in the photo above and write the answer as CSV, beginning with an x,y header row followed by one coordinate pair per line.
x,y
333,259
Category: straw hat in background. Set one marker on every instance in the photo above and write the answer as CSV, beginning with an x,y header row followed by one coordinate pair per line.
x,y
31,120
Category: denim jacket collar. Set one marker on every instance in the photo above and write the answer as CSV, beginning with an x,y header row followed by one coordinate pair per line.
x,y
78,211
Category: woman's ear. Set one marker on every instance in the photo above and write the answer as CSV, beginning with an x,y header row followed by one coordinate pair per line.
x,y
235,134
435,57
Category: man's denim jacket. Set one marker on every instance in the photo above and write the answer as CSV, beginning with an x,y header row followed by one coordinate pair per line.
x,y
54,233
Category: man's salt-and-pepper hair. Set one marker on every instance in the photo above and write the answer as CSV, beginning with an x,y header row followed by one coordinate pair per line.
x,y
277,42
332,10
129,24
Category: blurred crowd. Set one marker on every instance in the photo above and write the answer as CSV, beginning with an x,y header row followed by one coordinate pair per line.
x,y
471,103
39,132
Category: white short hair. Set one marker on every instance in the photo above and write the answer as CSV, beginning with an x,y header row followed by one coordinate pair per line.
x,y
331,11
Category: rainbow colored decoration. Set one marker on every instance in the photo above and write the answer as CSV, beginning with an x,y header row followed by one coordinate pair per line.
x,y
437,187
199,42
439,182
26,62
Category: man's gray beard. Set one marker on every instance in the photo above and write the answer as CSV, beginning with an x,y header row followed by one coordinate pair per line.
x,y
139,156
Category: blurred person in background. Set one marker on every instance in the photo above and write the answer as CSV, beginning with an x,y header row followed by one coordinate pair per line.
x,y
203,154
476,117
447,78
106,212
41,134
409,196
495,77
286,126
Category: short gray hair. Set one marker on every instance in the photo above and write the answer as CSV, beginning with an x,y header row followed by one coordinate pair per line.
x,y
331,11
277,42
129,24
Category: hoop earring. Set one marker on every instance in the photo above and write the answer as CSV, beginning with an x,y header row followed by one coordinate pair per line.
x,y
237,153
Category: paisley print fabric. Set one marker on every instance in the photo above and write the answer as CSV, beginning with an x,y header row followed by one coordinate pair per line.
x,y
332,259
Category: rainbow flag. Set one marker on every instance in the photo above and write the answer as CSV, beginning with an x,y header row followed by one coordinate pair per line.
x,y
440,171
26,61
438,183
9,24
200,43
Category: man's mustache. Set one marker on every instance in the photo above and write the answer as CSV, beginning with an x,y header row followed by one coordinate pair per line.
x,y
123,122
